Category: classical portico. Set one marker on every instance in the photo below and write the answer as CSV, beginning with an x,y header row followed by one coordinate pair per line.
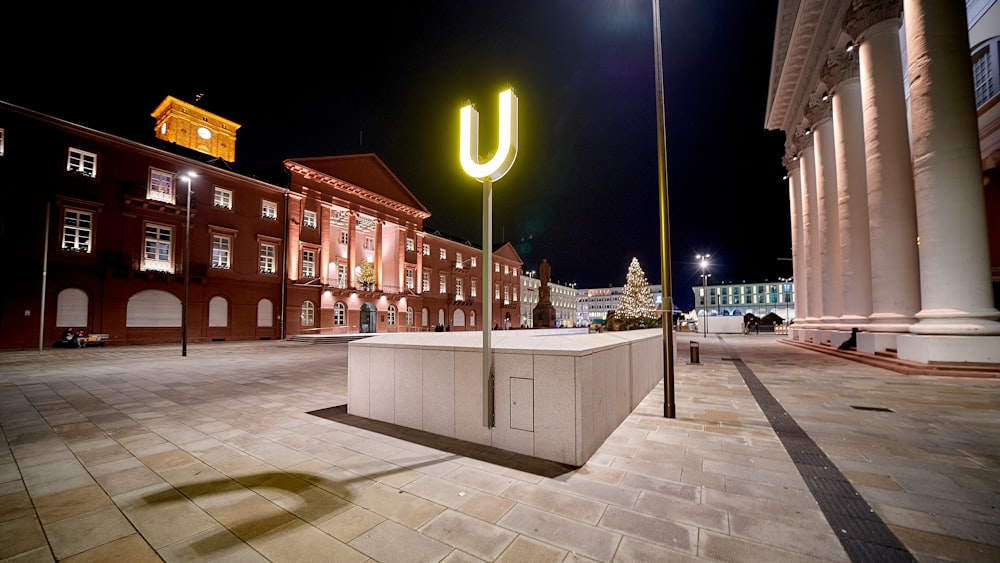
x,y
885,191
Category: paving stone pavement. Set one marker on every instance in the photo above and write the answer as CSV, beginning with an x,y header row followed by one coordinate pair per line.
x,y
239,452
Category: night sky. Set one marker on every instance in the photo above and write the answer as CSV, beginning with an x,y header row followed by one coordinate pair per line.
x,y
583,192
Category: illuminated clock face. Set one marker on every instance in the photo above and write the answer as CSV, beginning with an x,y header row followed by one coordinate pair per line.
x,y
204,133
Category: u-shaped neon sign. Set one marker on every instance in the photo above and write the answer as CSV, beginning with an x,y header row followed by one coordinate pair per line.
x,y
506,148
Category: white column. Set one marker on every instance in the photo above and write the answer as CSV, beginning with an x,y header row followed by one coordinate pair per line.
x,y
956,296
798,254
841,75
810,232
828,222
892,211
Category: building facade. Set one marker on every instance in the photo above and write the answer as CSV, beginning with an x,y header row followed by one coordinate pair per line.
x,y
168,242
593,305
563,298
891,138
738,299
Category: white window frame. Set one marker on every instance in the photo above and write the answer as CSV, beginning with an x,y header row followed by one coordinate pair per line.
x,y
443,254
78,230
158,248
308,263
427,249
369,243
458,260
409,278
342,275
161,186
390,316
222,198
268,252
307,315
81,162
344,237
472,288
442,283
309,219
458,289
222,251
409,316
410,244
339,314
425,284
473,262
269,210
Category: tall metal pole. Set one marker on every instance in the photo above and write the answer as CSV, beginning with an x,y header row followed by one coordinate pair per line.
x,y
487,302
187,270
45,276
704,296
668,305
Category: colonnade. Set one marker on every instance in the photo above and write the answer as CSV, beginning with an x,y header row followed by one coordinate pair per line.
x,y
887,209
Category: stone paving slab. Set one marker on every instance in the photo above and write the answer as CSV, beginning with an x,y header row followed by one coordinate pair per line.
x,y
243,452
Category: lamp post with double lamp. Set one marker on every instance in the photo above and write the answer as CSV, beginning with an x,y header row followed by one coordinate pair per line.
x,y
703,262
487,173
187,264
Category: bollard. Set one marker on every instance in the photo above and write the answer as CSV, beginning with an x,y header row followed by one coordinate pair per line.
x,y
695,352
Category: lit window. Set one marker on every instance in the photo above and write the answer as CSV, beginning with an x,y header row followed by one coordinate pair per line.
x,y
391,315
443,285
472,288
409,316
458,289
82,162
221,246
338,314
506,295
223,198
496,267
443,254
496,292
410,244
427,250
267,254
409,278
309,219
426,283
343,237
342,276
1,141
308,263
308,315
269,210
77,227
506,269
473,263
157,253
161,186
458,260
369,243
984,74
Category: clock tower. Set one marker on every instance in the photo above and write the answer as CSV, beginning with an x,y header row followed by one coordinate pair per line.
x,y
192,127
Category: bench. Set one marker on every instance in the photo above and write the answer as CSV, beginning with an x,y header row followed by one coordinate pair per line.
x,y
97,339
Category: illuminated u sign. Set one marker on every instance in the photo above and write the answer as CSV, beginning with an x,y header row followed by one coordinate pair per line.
x,y
506,148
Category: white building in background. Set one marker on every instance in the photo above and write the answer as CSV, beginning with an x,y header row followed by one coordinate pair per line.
x,y
563,298
593,305
738,299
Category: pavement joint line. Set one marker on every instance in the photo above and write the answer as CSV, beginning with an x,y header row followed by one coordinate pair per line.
x,y
862,534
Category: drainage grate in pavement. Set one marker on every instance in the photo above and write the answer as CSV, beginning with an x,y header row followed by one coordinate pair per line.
x,y
862,534
876,409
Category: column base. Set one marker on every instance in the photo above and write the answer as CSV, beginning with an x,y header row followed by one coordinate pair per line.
x,y
958,323
872,342
948,348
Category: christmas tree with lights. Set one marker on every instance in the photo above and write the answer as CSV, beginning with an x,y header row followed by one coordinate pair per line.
x,y
367,277
636,308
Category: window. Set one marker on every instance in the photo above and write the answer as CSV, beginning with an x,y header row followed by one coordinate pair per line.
x,y
269,210
473,263
506,295
409,278
223,198
496,267
218,312
265,313
410,244
426,283
221,246
391,315
342,276
443,285
338,314
309,219
984,73
157,253
1,141
267,253
458,289
161,186
443,254
77,230
506,269
308,264
409,316
308,315
369,243
427,250
496,291
472,288
343,237
82,162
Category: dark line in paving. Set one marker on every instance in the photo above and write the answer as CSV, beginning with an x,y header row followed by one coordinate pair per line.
x,y
863,535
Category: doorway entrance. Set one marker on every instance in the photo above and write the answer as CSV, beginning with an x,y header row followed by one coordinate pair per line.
x,y
367,318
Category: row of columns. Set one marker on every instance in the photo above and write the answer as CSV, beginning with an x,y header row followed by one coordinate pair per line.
x,y
883,239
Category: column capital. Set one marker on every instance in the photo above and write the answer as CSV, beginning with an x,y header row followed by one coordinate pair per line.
x,y
862,14
802,139
790,163
818,110
839,67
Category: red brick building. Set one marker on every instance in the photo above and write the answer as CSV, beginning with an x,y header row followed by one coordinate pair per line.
x,y
94,226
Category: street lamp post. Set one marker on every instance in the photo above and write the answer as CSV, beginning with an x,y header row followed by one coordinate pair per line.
x,y
703,258
187,265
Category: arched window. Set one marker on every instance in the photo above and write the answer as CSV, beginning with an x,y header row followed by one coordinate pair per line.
x,y
472,319
265,313
409,316
308,314
391,317
458,319
338,314
71,308
425,317
218,311
441,317
153,308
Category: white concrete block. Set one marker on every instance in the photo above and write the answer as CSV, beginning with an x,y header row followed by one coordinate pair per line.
x,y
555,408
408,387
469,398
358,381
439,397
925,348
871,342
382,396
522,404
